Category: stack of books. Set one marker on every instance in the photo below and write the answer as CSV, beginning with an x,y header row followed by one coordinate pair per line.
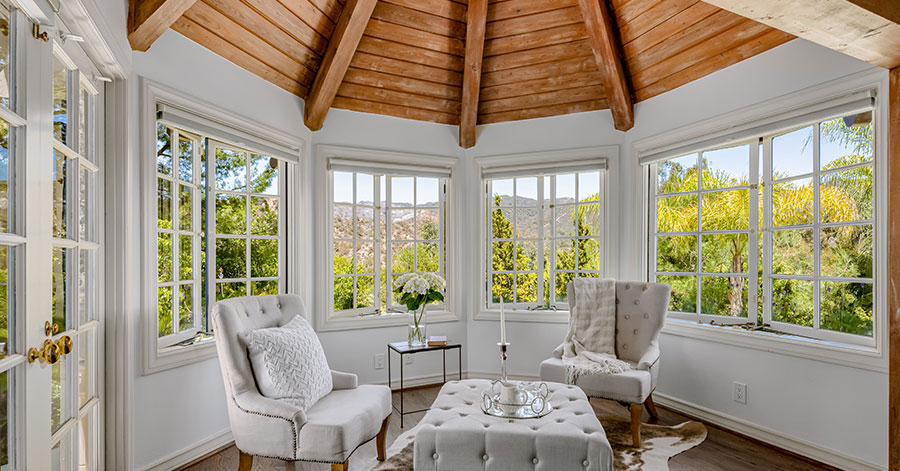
x,y
437,340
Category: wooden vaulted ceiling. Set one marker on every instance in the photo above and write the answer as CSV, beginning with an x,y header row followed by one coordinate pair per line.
x,y
538,57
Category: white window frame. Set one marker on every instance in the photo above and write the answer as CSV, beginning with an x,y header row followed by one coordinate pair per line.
x,y
483,309
156,358
794,104
392,163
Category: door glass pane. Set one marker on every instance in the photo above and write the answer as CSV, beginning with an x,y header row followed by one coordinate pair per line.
x,y
86,347
6,422
6,67
728,167
59,292
163,150
60,454
59,385
83,100
164,313
186,160
792,301
842,145
60,194
264,217
86,443
185,307
677,175
86,184
5,327
60,100
5,167
85,268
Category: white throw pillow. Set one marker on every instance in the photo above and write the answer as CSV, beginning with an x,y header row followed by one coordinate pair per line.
x,y
289,363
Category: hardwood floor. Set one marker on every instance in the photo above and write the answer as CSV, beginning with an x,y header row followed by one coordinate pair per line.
x,y
721,450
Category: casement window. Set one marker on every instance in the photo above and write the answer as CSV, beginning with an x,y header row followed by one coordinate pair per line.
x,y
544,226
775,229
221,218
386,221
217,237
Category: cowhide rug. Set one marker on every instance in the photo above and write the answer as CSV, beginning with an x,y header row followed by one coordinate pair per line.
x,y
660,443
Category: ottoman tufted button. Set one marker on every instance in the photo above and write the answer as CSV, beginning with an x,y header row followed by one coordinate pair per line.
x,y
468,403
646,315
534,460
435,456
628,316
625,346
484,458
637,301
585,463
635,331
628,286
486,425
617,300
644,288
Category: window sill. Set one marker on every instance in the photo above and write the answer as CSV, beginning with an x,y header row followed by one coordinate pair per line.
x,y
545,317
856,356
162,359
335,323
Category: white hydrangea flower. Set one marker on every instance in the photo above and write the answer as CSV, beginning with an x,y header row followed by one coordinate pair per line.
x,y
435,281
416,284
402,279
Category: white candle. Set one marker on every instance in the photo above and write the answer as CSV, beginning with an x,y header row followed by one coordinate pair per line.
x,y
502,323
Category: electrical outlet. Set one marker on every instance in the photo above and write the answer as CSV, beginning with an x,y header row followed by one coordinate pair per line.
x,y
740,392
410,359
379,361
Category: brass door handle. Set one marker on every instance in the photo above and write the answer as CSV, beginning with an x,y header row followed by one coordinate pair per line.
x,y
51,351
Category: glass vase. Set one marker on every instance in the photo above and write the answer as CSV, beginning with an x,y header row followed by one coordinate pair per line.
x,y
417,328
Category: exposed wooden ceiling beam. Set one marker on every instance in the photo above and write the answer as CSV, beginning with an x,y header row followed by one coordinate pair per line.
x,y
893,282
149,19
868,30
603,42
341,47
476,19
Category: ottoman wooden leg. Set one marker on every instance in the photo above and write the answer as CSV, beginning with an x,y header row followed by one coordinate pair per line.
x,y
245,461
379,440
636,410
340,466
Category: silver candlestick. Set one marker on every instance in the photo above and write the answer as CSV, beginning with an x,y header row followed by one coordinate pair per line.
x,y
503,347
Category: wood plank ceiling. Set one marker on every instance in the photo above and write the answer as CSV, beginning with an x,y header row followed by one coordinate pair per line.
x,y
537,59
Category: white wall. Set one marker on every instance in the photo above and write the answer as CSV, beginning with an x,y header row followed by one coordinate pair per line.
x,y
836,407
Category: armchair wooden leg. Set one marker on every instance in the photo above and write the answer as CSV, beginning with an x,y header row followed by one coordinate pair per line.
x,y
245,461
379,440
289,466
636,411
340,466
651,406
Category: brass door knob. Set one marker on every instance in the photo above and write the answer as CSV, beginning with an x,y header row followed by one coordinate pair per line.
x,y
65,344
52,352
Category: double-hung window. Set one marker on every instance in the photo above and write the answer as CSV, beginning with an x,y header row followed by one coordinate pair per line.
x,y
774,230
544,227
386,220
221,223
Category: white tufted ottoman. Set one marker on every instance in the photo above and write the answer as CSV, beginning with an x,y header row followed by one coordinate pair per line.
x,y
456,435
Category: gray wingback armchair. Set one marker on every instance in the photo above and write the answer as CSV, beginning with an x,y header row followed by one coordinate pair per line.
x,y
640,315
329,432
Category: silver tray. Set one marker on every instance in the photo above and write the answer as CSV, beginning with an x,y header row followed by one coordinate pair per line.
x,y
536,403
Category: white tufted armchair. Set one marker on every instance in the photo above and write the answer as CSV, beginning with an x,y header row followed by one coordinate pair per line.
x,y
329,432
640,315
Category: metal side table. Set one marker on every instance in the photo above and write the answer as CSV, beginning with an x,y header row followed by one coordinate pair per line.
x,y
403,348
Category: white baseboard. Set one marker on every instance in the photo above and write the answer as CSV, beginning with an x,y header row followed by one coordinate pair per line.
x,y
495,375
763,434
190,453
414,381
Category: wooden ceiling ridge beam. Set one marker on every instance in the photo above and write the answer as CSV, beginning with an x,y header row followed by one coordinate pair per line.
x,y
868,30
609,60
476,24
341,48
149,19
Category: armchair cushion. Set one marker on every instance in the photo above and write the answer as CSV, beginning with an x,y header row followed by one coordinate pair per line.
x,y
288,363
341,421
631,386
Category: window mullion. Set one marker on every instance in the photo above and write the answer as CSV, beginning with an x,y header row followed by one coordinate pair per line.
x,y
552,270
767,230
388,246
210,234
540,241
376,243
196,285
753,236
698,294
355,237
817,236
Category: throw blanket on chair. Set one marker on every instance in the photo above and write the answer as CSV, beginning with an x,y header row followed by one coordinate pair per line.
x,y
590,344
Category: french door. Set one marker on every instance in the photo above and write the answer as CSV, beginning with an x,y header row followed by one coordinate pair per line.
x,y
50,250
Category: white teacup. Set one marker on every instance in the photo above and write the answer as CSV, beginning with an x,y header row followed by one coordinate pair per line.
x,y
511,397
